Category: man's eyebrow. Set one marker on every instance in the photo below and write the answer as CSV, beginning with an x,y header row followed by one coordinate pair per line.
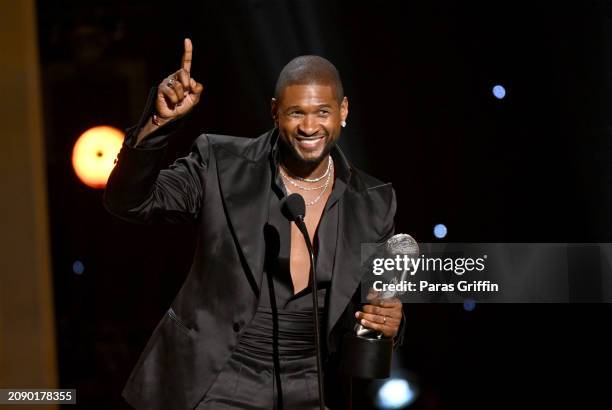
x,y
297,107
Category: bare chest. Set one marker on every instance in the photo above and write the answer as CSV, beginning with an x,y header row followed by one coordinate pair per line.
x,y
299,256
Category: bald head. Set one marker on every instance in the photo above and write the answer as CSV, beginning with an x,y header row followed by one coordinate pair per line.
x,y
304,70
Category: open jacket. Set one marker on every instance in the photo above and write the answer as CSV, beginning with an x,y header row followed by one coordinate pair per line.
x,y
223,186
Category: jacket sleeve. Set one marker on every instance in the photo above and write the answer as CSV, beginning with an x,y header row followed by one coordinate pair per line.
x,y
139,190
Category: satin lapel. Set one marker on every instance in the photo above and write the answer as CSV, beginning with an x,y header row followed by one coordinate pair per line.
x,y
347,262
245,187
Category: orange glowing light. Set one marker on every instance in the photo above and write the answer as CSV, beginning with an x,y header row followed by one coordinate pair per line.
x,y
94,153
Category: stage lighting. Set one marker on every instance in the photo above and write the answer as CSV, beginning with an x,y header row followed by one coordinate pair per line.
x,y
469,304
395,393
440,231
94,155
499,92
78,267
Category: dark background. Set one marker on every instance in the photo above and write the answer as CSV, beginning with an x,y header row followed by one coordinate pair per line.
x,y
535,166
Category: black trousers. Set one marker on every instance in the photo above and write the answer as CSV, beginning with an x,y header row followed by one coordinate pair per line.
x,y
248,382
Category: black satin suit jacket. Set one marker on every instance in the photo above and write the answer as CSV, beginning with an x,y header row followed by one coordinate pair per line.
x,y
223,186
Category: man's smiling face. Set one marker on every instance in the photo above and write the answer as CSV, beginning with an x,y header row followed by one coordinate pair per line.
x,y
309,120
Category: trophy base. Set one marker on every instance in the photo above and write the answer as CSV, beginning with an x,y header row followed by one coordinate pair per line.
x,y
366,358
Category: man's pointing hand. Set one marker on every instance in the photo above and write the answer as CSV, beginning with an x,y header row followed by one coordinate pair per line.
x,y
178,93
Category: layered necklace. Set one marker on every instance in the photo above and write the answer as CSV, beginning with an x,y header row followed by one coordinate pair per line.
x,y
292,180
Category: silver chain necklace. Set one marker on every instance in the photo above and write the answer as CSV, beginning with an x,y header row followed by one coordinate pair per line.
x,y
324,186
330,166
317,179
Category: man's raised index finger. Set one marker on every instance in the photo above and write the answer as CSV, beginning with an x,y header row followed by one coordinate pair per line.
x,y
186,63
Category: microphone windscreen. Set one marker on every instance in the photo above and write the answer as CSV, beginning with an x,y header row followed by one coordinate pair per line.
x,y
293,207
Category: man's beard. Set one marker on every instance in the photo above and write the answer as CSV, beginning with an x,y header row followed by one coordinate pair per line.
x,y
288,148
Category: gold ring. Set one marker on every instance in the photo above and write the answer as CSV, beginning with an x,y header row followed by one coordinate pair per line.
x,y
171,81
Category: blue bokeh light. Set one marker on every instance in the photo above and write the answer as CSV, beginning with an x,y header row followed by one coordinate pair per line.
x,y
499,91
78,267
440,231
469,304
395,394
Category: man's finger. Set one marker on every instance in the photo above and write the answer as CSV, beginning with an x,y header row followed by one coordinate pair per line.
x,y
183,78
389,302
196,87
187,54
377,310
391,321
179,90
169,94
373,309
389,331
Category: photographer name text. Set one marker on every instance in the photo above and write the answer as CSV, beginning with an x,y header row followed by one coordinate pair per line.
x,y
425,286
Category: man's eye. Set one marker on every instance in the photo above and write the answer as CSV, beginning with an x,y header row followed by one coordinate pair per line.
x,y
295,113
324,113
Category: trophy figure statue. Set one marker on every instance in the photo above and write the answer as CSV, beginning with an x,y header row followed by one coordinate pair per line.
x,y
367,353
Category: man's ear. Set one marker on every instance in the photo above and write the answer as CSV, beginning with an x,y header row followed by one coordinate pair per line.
x,y
274,109
344,109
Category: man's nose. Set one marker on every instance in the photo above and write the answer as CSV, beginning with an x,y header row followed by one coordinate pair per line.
x,y
309,126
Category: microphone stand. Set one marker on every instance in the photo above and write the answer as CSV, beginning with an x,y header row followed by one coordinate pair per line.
x,y
299,222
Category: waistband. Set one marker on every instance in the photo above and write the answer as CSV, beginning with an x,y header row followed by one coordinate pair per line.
x,y
288,333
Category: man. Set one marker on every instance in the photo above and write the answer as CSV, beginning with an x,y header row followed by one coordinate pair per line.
x,y
239,334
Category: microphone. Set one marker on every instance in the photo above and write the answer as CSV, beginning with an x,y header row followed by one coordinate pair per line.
x,y
399,244
293,208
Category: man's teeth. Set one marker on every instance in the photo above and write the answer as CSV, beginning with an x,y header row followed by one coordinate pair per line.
x,y
312,141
